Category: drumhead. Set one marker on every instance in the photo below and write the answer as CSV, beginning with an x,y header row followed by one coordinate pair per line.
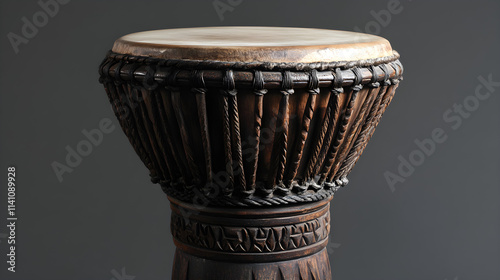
x,y
251,44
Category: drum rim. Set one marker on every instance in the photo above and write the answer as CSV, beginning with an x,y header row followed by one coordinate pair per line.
x,y
153,72
255,65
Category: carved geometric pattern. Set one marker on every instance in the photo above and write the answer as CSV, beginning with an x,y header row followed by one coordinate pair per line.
x,y
250,239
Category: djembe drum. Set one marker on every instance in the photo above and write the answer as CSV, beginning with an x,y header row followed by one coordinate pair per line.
x,y
250,131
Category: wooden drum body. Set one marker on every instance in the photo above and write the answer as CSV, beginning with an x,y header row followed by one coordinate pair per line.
x,y
250,131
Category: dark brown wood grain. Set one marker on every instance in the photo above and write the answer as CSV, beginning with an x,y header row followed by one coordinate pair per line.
x,y
313,267
284,139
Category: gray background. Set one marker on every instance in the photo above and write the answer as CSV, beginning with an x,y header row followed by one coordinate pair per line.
x,y
441,223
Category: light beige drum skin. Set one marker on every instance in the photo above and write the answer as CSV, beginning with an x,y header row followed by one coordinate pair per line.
x,y
249,44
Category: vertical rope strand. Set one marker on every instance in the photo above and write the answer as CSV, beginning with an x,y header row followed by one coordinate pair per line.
x,y
279,150
306,122
238,170
259,91
201,104
226,131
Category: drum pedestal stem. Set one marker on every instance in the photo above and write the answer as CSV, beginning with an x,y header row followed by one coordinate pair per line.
x,y
251,243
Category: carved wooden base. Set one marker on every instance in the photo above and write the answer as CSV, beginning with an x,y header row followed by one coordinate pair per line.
x,y
313,267
251,243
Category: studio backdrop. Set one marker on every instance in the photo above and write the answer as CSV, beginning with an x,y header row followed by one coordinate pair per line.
x,y
422,203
